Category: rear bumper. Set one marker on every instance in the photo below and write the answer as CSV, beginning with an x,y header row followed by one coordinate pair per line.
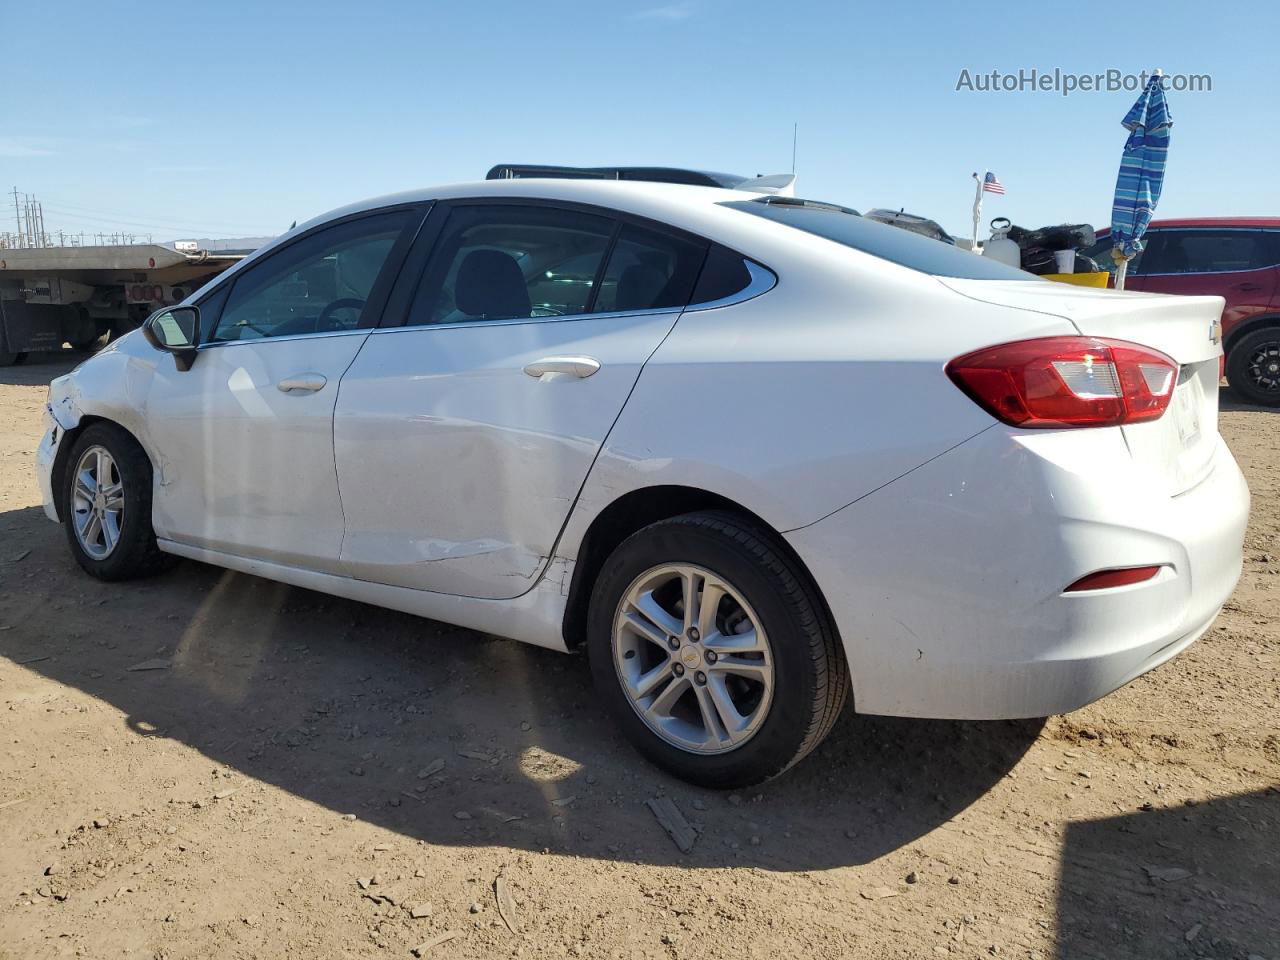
x,y
946,585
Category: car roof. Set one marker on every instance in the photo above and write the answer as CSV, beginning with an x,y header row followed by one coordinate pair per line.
x,y
642,197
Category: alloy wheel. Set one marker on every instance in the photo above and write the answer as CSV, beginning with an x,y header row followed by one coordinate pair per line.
x,y
97,502
1264,366
693,658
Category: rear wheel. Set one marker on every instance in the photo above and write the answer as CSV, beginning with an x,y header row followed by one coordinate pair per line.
x,y
106,505
712,651
82,332
1253,366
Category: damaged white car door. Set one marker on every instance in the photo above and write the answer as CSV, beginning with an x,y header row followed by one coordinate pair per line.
x,y
466,426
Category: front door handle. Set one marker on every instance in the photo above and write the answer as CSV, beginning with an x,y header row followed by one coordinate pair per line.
x,y
303,383
580,367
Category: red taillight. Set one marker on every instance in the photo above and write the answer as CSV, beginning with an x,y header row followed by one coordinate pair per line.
x,y
1067,381
1120,577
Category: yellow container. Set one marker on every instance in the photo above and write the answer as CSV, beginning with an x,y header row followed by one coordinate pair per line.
x,y
1098,279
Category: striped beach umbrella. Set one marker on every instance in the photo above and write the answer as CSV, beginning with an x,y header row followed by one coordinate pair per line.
x,y
1141,173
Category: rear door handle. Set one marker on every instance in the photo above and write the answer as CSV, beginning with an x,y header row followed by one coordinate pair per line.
x,y
580,367
303,383
1249,286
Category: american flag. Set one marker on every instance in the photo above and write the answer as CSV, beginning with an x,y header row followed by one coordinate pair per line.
x,y
992,184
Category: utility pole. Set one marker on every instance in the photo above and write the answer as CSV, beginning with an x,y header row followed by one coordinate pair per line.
x,y
17,218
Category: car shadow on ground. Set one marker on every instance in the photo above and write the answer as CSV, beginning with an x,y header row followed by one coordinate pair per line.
x,y
1212,869
353,707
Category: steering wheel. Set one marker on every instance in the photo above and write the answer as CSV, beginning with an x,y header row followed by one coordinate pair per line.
x,y
545,310
325,320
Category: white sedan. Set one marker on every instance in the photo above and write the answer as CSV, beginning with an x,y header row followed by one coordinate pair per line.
x,y
755,454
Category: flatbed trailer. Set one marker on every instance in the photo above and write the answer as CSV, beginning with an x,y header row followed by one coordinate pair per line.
x,y
75,295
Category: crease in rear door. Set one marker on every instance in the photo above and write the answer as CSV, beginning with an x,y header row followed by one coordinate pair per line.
x,y
386,539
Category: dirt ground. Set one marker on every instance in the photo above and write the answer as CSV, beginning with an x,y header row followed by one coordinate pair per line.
x,y
302,776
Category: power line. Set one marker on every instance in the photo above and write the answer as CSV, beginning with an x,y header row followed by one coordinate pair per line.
x,y
80,208
154,224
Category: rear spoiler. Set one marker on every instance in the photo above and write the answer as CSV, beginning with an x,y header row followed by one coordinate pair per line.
x,y
782,184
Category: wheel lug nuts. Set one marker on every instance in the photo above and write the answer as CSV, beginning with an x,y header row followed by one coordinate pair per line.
x,y
693,634
678,669
673,643
700,677
711,656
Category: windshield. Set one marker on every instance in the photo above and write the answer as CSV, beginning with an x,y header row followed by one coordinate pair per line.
x,y
894,244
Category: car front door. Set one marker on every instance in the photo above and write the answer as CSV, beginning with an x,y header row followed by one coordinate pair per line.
x,y
467,425
244,438
1237,264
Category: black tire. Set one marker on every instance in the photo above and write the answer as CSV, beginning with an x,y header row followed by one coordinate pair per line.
x,y
136,553
811,678
7,357
1252,380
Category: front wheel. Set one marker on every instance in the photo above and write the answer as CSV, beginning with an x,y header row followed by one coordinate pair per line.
x,y
106,505
713,652
1253,366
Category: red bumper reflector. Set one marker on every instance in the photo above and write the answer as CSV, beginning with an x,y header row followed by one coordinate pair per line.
x,y
1113,578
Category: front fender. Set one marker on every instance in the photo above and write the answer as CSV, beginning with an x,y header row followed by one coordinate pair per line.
x,y
113,385
63,405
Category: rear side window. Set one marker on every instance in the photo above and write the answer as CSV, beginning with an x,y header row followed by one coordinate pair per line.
x,y
495,262
898,246
649,270
1209,251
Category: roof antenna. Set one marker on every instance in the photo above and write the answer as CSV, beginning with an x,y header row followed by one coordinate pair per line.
x,y
795,134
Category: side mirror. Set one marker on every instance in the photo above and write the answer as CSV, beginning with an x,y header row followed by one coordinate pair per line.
x,y
175,330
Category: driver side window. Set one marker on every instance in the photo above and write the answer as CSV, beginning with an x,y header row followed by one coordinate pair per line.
x,y
320,284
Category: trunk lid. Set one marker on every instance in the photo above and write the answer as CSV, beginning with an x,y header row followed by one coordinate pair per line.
x,y
1178,448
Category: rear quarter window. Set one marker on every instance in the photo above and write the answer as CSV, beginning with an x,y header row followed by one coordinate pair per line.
x,y
902,247
723,275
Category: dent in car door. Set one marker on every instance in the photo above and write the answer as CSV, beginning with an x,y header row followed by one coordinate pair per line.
x,y
463,441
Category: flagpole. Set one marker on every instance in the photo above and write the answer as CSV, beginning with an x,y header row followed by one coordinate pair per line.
x,y
977,210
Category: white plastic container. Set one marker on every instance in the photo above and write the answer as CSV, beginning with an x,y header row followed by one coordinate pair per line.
x,y
1066,260
1000,247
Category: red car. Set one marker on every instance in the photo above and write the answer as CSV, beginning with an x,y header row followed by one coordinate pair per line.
x,y
1237,258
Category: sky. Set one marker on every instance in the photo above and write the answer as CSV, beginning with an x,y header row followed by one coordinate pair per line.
x,y
226,119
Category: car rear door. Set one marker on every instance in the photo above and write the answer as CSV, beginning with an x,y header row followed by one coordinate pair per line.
x,y
468,423
1236,264
245,436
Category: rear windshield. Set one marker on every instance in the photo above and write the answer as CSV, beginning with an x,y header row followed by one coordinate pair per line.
x,y
880,240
